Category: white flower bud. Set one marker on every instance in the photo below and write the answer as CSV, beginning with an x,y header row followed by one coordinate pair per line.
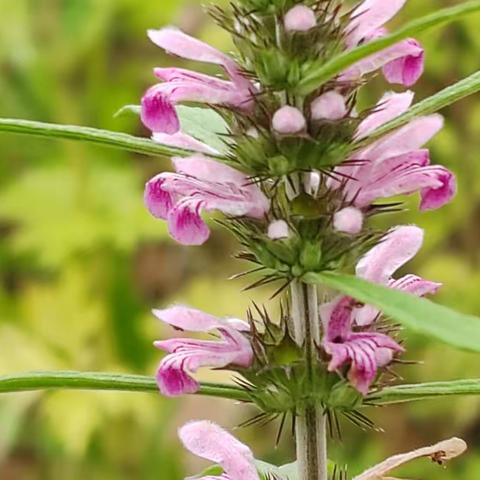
x,y
329,106
300,19
348,220
278,230
289,120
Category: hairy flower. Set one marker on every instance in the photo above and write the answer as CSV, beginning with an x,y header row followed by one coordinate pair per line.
x,y
158,111
209,441
397,164
201,183
402,63
188,355
439,453
349,336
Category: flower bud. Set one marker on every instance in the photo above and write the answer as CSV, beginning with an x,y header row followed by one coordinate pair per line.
x,y
288,120
278,230
300,19
329,106
348,220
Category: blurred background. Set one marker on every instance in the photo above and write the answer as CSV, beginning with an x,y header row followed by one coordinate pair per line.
x,y
82,263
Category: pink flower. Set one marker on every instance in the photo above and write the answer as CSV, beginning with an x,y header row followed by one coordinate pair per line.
x,y
396,164
349,337
209,441
201,184
188,355
397,248
179,85
364,351
402,63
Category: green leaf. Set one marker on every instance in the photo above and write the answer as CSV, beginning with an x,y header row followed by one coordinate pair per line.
x,y
30,381
419,314
204,124
442,99
106,138
424,391
336,65
268,471
128,110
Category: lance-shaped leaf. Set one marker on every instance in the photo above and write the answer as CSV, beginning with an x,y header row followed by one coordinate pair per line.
x,y
107,138
329,70
453,93
418,314
204,124
424,391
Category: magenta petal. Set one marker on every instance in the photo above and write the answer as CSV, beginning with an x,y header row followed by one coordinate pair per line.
x,y
436,197
186,225
406,70
158,201
174,382
158,113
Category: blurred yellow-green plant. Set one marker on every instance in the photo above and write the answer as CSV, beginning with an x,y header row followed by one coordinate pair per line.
x,y
82,263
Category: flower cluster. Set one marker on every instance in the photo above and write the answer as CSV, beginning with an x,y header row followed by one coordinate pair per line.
x,y
298,180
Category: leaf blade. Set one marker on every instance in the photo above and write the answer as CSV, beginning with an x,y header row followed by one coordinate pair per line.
x,y
337,64
424,391
421,315
106,138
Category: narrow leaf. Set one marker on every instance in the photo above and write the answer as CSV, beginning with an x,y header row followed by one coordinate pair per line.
x,y
30,381
419,314
105,138
336,65
442,99
424,391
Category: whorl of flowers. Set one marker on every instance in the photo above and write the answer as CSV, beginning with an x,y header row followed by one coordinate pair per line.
x,y
298,181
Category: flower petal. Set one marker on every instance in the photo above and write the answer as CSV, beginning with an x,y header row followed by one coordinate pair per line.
x,y
158,112
186,225
391,106
158,201
369,16
399,246
182,140
209,441
408,69
439,452
436,196
186,318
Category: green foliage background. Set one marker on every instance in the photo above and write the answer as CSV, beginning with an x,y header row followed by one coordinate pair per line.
x,y
82,263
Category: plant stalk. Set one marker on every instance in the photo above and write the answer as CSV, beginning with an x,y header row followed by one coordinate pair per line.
x,y
310,423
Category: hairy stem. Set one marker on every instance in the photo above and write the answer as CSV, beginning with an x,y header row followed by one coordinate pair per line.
x,y
31,381
310,424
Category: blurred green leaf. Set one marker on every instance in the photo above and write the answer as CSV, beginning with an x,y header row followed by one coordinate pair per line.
x,y
421,315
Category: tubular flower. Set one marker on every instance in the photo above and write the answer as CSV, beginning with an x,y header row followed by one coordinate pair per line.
x,y
198,184
188,355
209,441
402,63
439,453
158,111
397,164
365,351
349,337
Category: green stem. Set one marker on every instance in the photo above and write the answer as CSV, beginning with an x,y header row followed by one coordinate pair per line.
x,y
30,381
106,138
